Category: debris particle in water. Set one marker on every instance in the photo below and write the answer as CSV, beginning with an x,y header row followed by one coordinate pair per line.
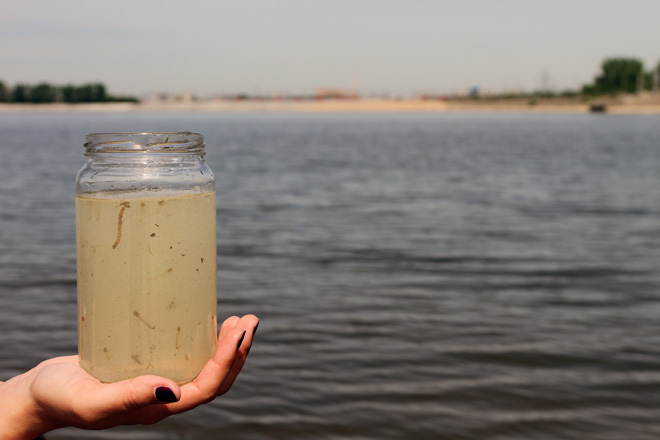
x,y
144,321
120,220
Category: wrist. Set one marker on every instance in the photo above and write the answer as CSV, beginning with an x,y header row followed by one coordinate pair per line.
x,y
20,415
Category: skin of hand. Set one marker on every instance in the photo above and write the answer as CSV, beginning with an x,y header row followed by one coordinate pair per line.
x,y
58,393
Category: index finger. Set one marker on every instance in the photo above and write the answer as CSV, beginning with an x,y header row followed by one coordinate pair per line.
x,y
205,387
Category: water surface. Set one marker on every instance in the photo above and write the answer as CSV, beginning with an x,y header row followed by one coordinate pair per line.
x,y
423,276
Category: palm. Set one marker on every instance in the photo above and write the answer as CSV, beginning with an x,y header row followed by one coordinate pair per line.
x,y
68,395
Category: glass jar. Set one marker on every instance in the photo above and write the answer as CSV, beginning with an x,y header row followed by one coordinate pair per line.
x,y
146,243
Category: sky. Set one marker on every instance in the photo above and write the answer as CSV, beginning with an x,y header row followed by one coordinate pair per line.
x,y
395,47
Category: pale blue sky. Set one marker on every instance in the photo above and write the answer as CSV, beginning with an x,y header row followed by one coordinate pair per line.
x,y
293,46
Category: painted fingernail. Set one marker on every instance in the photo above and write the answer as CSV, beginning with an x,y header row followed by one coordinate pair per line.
x,y
164,394
255,329
241,341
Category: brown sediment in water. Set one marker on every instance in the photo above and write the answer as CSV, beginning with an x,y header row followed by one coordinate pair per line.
x,y
138,316
120,220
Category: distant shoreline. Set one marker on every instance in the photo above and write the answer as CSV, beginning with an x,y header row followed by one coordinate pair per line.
x,y
649,104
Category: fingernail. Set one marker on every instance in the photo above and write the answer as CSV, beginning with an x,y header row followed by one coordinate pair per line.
x,y
255,329
241,341
164,394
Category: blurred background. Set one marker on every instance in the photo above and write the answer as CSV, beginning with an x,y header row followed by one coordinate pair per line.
x,y
442,231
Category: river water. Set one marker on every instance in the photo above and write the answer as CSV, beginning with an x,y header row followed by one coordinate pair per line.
x,y
417,276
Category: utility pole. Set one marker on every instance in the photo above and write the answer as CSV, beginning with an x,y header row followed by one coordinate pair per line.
x,y
545,82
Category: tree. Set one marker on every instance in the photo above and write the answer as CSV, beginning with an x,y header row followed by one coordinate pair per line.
x,y
98,92
92,92
619,75
43,92
4,93
20,93
653,79
68,93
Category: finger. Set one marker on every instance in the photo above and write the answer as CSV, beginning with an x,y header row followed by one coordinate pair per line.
x,y
227,326
249,323
204,387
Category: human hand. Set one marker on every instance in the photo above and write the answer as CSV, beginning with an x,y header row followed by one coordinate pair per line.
x,y
59,393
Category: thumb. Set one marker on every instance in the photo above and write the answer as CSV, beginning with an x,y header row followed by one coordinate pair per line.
x,y
139,392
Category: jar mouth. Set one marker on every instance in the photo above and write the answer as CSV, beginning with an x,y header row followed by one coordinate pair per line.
x,y
160,142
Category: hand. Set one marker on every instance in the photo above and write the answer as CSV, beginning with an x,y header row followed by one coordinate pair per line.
x,y
59,393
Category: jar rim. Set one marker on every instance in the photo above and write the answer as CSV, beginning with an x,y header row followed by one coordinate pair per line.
x,y
182,141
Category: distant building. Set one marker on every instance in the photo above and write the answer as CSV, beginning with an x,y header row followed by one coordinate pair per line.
x,y
431,97
329,93
185,97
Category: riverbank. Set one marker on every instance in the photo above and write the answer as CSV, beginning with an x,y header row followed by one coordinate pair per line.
x,y
646,104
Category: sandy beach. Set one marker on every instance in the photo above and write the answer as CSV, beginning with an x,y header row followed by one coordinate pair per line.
x,y
643,104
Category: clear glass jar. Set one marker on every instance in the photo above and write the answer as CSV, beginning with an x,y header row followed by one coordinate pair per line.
x,y
146,242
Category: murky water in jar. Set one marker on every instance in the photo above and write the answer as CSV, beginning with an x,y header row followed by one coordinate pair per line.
x,y
146,285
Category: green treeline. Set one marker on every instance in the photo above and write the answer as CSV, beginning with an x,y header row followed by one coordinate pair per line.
x,y
622,75
45,93
617,76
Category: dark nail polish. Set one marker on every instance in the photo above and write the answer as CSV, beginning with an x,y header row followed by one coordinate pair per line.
x,y
255,329
241,340
164,394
